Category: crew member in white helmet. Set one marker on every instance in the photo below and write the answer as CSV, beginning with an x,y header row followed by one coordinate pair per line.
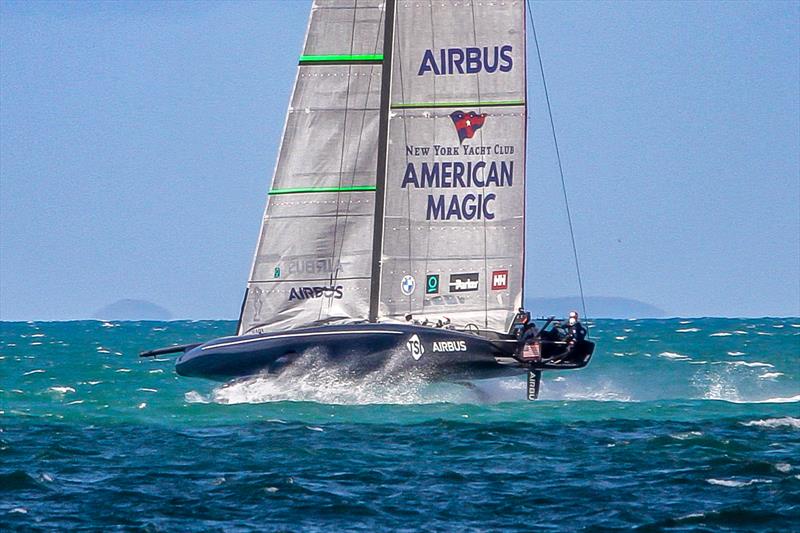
x,y
575,330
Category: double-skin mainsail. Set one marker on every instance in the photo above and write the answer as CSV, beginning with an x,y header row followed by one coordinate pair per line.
x,y
400,182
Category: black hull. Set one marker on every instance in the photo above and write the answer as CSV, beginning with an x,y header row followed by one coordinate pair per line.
x,y
436,353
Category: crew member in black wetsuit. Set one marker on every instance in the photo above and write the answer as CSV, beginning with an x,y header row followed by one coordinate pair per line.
x,y
575,330
529,330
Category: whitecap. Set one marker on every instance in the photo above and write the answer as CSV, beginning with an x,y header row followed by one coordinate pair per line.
x,y
109,325
786,421
194,397
771,375
687,435
674,356
100,349
75,402
156,371
315,428
560,378
37,371
142,405
756,364
687,330
795,325
37,335
735,354
271,489
123,370
61,390
740,332
621,338
735,483
783,467
20,510
767,334
143,389
721,334
36,344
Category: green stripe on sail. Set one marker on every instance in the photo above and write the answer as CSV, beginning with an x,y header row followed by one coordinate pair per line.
x,y
299,190
340,58
500,103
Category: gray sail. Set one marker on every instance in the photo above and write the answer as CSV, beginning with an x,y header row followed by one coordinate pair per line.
x,y
313,258
453,232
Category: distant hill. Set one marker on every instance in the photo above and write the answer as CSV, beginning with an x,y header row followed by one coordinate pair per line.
x,y
596,306
132,310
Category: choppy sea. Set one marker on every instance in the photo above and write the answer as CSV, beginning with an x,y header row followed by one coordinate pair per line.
x,y
676,425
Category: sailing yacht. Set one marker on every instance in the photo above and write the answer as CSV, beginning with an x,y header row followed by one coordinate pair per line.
x,y
395,222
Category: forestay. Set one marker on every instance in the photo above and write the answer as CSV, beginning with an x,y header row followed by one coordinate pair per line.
x,y
454,211
313,258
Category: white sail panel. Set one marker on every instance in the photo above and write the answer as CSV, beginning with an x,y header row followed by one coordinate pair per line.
x,y
453,232
313,258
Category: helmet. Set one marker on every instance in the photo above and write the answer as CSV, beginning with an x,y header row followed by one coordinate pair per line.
x,y
573,314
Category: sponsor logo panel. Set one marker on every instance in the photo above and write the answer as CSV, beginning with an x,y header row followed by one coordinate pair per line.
x,y
467,60
408,284
466,282
306,266
306,293
500,280
432,284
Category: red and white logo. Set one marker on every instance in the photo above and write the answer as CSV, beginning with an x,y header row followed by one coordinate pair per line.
x,y
499,280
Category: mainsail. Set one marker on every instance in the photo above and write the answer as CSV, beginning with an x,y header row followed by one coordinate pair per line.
x,y
430,136
455,200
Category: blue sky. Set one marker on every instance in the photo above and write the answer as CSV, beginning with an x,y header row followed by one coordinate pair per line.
x,y
137,142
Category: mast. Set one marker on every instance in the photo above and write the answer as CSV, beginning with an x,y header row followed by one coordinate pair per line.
x,y
380,177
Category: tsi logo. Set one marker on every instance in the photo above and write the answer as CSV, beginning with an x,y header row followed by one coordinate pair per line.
x,y
499,280
415,346
450,346
464,282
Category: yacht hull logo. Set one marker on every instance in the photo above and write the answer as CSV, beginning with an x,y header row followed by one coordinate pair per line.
x,y
467,123
415,347
450,346
464,282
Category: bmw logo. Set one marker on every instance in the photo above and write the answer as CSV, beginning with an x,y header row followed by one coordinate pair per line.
x,y
408,285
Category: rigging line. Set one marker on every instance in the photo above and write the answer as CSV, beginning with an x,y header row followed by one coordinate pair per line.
x,y
335,276
433,117
558,157
341,162
485,245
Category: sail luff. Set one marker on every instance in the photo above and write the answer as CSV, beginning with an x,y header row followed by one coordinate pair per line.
x,y
383,149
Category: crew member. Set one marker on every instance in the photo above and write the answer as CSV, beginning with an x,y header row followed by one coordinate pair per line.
x,y
575,330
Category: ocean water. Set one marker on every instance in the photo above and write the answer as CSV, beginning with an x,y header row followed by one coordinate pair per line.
x,y
677,425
